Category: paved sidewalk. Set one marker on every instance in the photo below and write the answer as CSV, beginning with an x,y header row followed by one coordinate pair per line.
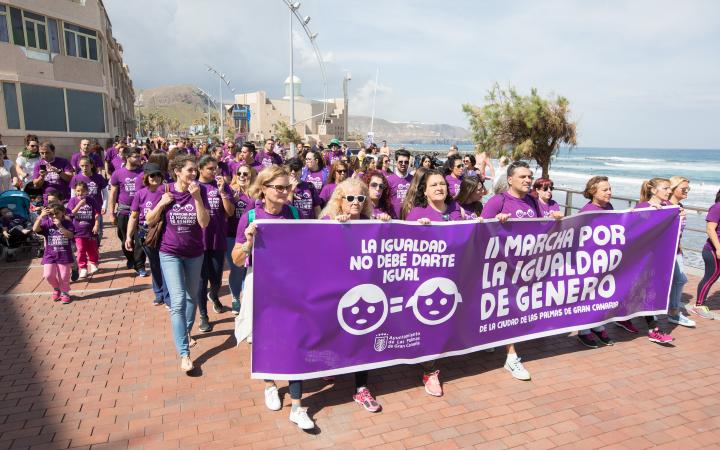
x,y
102,373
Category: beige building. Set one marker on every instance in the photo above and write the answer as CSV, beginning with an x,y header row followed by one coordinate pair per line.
x,y
62,75
265,112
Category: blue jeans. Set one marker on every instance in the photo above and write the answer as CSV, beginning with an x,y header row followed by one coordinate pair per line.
x,y
159,288
678,281
237,274
181,276
211,273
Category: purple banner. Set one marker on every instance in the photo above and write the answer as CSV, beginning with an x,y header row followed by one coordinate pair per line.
x,y
335,298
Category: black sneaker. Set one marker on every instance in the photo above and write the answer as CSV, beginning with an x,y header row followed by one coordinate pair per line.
x,y
74,275
604,338
204,324
587,340
217,306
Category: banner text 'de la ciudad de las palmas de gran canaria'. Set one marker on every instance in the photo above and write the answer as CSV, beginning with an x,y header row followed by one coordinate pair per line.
x,y
372,294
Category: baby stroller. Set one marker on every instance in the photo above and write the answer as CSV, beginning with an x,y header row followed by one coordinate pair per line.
x,y
18,202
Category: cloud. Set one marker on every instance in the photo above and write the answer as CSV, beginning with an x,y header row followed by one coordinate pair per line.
x,y
628,68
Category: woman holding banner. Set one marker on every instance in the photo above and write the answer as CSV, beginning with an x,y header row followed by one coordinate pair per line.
x,y
599,192
272,188
653,193
679,188
432,202
351,201
516,203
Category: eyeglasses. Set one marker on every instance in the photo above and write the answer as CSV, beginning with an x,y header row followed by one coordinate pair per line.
x,y
403,161
685,190
279,187
155,175
546,188
243,174
377,186
351,198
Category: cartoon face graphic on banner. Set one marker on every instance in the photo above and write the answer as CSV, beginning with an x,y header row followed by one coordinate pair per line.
x,y
362,309
435,301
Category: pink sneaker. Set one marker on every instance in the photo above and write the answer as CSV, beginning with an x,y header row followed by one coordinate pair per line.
x,y
658,336
627,326
365,398
55,296
65,299
432,384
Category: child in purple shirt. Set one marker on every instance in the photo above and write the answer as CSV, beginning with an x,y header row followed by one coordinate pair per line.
x,y
58,257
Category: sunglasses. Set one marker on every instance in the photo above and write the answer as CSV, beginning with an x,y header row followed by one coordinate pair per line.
x,y
377,186
155,175
459,166
546,188
279,187
243,174
351,198
403,161
341,171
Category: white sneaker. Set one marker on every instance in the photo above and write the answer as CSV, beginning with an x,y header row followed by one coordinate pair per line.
x,y
92,268
272,398
300,417
82,274
682,321
517,370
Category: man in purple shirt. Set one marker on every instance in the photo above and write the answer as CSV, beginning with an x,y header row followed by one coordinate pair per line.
x,y
85,151
52,173
124,182
399,181
267,157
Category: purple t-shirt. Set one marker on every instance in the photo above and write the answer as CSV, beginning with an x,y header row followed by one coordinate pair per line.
x,y
53,180
84,219
95,183
145,201
58,248
235,165
590,206
242,203
647,204
327,192
470,210
110,153
268,159
128,182
117,163
453,184
305,199
548,208
332,156
183,234
398,190
214,234
377,211
260,213
518,208
316,178
94,157
713,215
452,213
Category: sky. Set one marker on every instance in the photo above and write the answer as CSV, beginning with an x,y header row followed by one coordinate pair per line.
x,y
639,73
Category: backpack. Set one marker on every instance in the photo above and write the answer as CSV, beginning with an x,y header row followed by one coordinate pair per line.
x,y
293,210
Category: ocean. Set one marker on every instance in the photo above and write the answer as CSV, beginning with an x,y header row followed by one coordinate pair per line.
x,y
627,168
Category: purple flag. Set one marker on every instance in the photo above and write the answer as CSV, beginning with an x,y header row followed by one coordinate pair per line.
x,y
335,298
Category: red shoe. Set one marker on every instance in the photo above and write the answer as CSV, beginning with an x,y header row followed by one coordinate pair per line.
x,y
659,337
56,296
65,299
627,326
365,398
432,384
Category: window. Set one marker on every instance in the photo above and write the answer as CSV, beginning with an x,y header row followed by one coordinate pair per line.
x,y
80,42
85,111
43,108
11,106
4,32
29,29
54,37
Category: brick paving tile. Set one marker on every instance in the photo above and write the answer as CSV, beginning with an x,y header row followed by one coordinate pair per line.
x,y
102,373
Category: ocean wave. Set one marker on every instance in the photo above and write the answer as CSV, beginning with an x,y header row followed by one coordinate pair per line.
x,y
623,159
560,177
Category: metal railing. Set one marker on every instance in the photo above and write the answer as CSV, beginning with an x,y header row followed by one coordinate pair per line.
x,y
572,205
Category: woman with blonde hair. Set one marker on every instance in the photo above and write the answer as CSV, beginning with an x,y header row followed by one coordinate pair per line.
x,y
240,185
351,201
679,188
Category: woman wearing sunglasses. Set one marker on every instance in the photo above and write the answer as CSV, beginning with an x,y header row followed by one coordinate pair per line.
x,y
303,196
472,190
272,188
542,191
454,171
351,201
379,191
239,186
338,174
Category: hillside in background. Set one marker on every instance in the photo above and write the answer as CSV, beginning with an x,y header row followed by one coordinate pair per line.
x,y
187,104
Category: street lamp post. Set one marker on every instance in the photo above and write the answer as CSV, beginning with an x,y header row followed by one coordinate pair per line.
x,y
293,7
346,80
221,79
